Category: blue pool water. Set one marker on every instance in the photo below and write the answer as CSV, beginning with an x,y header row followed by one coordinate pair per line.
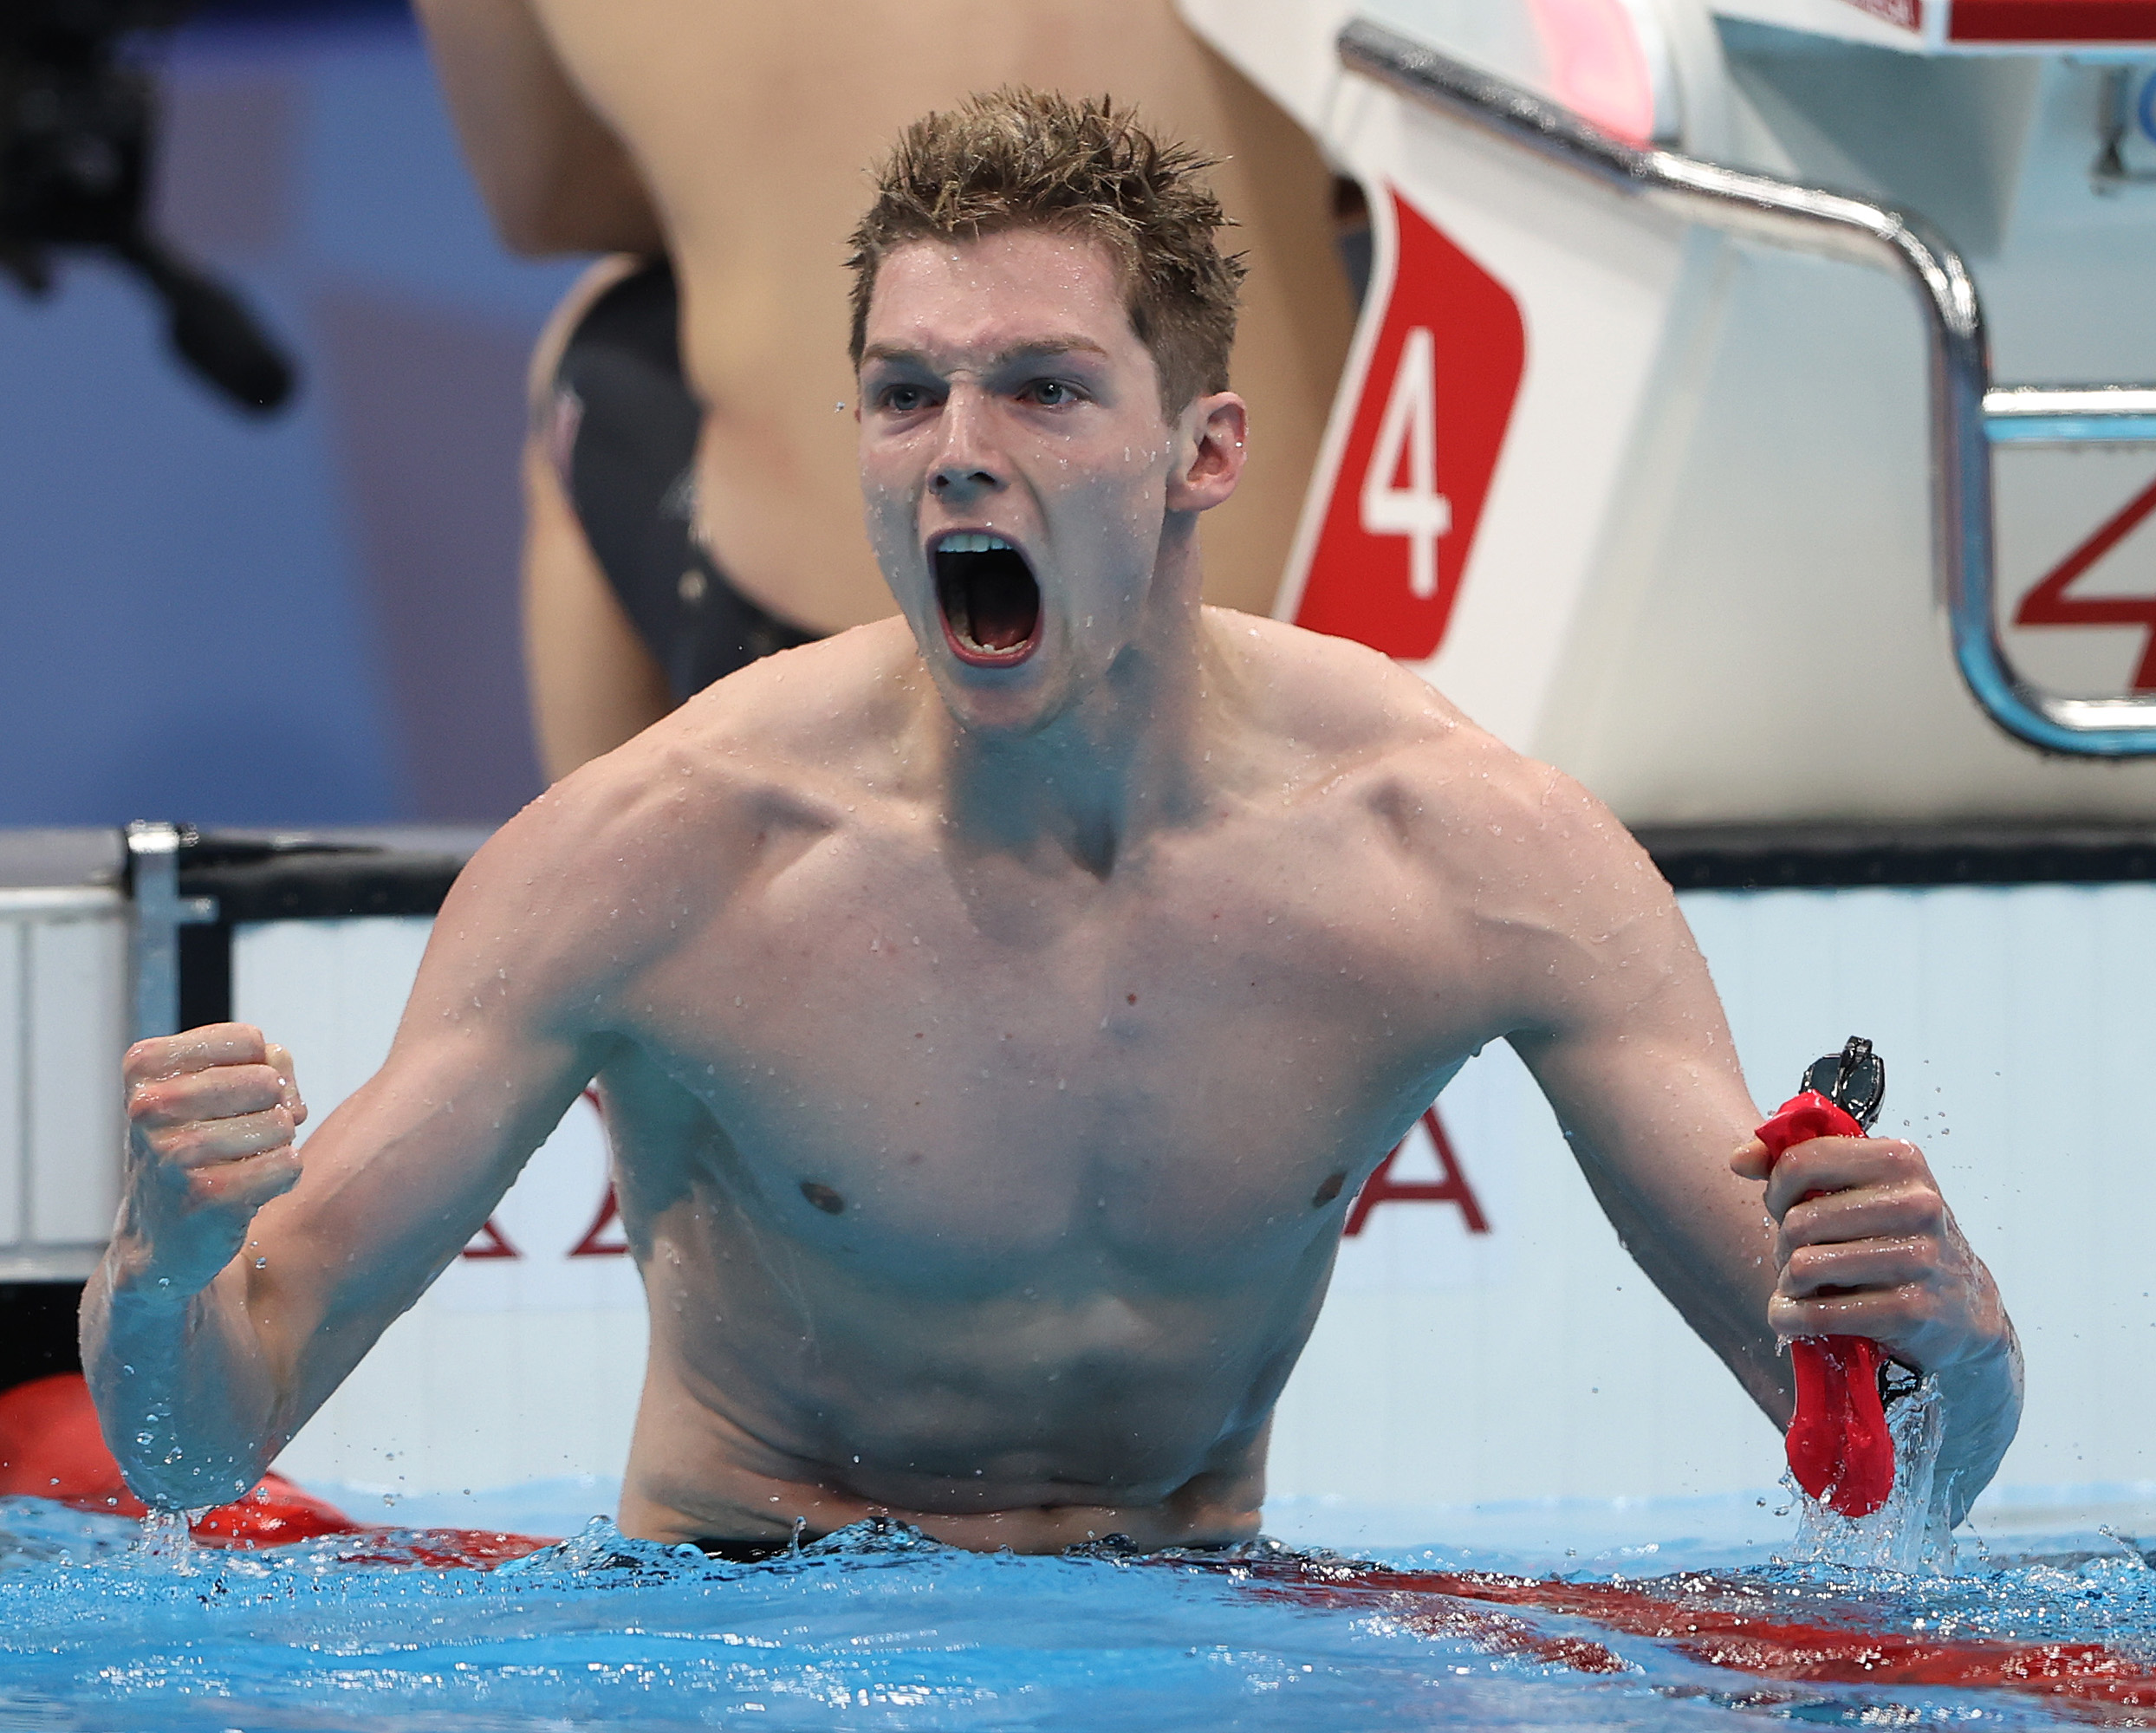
x,y
883,1631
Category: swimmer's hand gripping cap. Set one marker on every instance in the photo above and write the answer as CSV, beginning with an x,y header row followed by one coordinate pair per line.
x,y
1839,1447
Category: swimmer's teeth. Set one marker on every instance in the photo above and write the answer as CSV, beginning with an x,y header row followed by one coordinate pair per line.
x,y
953,555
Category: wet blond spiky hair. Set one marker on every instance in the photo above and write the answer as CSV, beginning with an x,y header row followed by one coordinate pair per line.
x,y
1030,158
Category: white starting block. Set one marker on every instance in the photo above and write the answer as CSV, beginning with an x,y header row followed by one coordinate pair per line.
x,y
1636,464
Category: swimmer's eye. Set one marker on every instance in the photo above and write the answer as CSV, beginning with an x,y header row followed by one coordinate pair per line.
x,y
902,399
1050,393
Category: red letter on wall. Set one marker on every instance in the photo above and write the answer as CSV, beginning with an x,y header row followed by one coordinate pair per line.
x,y
490,1242
1450,1187
592,1245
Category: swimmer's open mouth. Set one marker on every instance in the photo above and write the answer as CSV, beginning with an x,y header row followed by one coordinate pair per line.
x,y
991,606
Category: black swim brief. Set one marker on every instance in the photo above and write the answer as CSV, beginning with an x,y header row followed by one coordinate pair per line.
x,y
623,439
1113,1547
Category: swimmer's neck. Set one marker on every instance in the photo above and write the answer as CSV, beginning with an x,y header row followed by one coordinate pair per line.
x,y
1133,753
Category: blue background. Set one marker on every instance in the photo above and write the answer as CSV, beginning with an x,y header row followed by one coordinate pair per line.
x,y
309,619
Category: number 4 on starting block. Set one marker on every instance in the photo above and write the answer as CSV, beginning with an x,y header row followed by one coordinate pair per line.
x,y
1421,418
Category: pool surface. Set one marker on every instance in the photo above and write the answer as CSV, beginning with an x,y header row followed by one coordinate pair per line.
x,y
871,1630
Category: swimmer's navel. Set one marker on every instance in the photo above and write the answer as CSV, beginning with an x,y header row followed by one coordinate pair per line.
x,y
823,1196
1329,1189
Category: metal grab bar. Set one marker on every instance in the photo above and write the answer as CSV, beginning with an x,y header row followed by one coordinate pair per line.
x,y
1967,415
160,912
2070,415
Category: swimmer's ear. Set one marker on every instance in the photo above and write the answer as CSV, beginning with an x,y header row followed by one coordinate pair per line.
x,y
1209,436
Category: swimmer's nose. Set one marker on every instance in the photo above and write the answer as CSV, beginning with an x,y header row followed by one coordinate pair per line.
x,y
952,478
964,465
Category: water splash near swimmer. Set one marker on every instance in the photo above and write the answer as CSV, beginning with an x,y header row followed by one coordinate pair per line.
x,y
167,1541
1909,1532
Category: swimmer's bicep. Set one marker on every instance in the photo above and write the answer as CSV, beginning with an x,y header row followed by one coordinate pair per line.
x,y
538,933
1652,1122
1622,1029
489,1054
1607,951
1625,1033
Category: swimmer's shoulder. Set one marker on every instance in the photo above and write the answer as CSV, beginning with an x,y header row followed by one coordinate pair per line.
x,y
819,714
1448,789
627,858
778,750
1333,692
1337,708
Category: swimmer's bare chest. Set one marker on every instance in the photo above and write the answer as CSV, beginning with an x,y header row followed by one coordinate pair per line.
x,y
898,1055
1023,1183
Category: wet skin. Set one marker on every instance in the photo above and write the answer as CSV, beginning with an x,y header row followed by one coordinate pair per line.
x,y
992,1043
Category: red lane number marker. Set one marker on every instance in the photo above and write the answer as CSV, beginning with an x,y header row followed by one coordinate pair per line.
x,y
1434,402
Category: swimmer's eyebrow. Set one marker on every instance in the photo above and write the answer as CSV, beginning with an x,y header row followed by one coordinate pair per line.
x,y
1035,348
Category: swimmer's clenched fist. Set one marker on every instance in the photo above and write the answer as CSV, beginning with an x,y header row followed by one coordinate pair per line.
x,y
997,1010
211,1119
1865,1245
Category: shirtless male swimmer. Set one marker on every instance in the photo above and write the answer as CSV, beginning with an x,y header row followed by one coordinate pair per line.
x,y
997,1009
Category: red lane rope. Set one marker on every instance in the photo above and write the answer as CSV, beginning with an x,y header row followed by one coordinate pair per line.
x,y
2093,1680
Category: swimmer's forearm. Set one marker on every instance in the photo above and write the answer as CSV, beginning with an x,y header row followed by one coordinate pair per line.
x,y
183,1385
1984,1403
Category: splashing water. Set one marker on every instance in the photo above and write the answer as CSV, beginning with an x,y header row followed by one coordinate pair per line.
x,y
1908,1532
166,1540
883,1629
